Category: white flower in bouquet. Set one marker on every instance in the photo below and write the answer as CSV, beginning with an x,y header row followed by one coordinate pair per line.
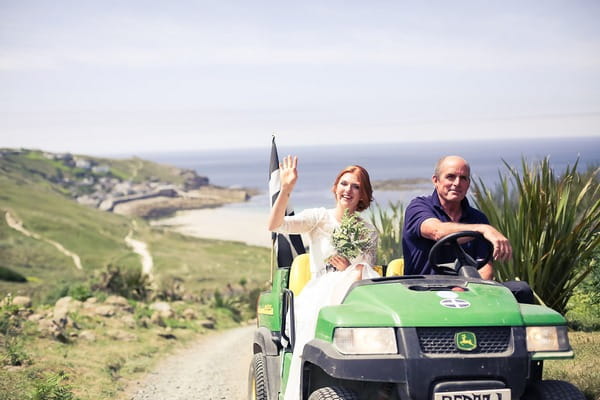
x,y
352,237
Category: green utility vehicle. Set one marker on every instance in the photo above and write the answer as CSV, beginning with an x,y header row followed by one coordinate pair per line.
x,y
450,336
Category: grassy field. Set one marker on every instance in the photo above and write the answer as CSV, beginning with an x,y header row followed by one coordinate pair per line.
x,y
101,369
35,366
583,370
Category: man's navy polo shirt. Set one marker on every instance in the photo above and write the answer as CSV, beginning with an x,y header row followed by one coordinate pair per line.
x,y
416,248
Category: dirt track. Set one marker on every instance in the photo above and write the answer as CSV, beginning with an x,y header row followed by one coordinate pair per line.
x,y
13,222
215,367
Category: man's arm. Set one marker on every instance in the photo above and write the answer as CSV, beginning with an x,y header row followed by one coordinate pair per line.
x,y
487,272
434,229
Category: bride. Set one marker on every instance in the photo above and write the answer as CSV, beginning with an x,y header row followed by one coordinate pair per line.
x,y
331,273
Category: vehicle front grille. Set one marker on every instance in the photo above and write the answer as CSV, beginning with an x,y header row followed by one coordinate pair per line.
x,y
442,340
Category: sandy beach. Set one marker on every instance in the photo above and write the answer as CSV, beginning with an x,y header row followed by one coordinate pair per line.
x,y
225,223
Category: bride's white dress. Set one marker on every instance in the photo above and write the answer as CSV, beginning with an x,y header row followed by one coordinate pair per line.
x,y
324,288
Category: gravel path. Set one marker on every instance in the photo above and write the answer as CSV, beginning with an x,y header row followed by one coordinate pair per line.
x,y
215,367
141,248
16,224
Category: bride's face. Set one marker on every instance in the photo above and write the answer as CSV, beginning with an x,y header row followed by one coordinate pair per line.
x,y
347,191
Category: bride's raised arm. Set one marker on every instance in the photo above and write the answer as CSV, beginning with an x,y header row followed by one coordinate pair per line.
x,y
288,175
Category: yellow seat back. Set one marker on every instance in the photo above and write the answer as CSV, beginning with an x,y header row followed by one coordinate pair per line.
x,y
378,269
395,267
299,273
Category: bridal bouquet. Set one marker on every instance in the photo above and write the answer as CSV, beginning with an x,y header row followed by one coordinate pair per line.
x,y
352,237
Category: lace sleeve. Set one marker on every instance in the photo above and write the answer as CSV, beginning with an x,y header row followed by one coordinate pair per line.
x,y
303,222
370,256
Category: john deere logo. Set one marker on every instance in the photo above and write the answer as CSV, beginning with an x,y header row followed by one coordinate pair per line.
x,y
267,309
465,341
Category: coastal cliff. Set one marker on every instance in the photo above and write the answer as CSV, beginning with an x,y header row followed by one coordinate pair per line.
x,y
133,187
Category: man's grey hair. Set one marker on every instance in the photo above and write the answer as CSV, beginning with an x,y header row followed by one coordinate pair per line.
x,y
438,165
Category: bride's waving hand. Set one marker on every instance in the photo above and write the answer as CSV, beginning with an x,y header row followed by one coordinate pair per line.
x,y
288,175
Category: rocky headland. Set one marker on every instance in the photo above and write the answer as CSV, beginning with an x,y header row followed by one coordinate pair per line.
x,y
164,203
134,187
400,184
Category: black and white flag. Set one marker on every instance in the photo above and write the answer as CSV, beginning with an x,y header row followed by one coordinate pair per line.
x,y
286,246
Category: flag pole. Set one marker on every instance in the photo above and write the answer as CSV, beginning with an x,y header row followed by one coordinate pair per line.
x,y
272,241
272,262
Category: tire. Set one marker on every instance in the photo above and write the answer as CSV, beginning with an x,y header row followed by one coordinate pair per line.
x,y
333,393
553,390
257,378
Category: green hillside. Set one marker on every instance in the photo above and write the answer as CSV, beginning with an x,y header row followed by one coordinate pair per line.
x,y
52,246
33,192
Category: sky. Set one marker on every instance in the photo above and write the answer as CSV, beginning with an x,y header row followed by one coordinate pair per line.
x,y
128,77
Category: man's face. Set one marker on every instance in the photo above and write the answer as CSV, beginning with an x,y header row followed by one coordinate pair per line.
x,y
453,180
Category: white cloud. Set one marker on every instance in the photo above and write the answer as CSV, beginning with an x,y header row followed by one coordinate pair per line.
x,y
414,53
151,40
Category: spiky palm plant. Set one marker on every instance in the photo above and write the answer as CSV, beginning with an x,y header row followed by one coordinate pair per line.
x,y
553,223
389,227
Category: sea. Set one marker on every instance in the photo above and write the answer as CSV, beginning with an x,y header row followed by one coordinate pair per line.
x,y
319,165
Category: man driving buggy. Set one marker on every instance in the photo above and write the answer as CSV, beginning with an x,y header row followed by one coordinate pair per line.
x,y
447,210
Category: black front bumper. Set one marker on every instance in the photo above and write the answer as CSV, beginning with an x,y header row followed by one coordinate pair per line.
x,y
415,374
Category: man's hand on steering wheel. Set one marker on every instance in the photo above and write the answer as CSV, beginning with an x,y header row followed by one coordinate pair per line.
x,y
462,258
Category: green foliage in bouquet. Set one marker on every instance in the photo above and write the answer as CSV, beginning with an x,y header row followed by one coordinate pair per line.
x,y
352,237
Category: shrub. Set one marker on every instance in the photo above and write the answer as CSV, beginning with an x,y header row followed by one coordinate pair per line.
x,y
56,293
7,274
80,292
52,387
232,304
175,323
10,323
141,313
170,289
129,283
591,286
583,308
77,290
252,300
15,352
389,227
553,224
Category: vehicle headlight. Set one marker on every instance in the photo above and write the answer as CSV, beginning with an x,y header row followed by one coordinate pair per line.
x,y
547,338
365,340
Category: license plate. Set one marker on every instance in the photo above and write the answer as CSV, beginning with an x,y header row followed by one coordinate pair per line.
x,y
495,394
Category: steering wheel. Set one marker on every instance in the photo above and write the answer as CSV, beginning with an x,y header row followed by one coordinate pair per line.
x,y
462,258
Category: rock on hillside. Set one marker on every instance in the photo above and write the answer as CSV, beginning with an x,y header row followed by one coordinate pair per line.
x,y
114,318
